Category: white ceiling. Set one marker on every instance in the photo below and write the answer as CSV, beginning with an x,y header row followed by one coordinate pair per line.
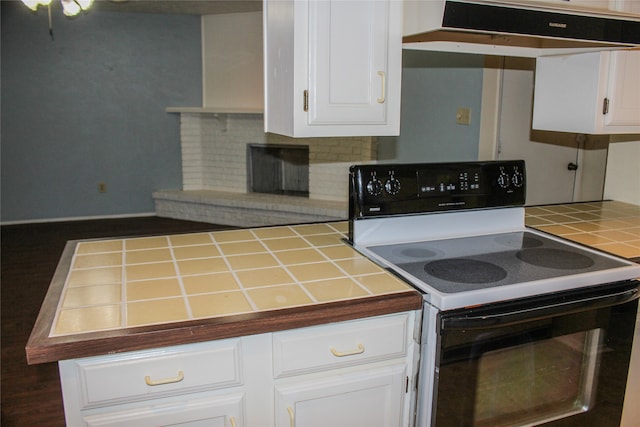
x,y
197,7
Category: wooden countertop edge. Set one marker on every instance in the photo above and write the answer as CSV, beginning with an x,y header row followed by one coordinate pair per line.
x,y
43,349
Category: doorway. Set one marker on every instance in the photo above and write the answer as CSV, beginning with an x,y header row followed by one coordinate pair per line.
x,y
561,167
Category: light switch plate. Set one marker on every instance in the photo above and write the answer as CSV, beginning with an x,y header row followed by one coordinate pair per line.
x,y
463,116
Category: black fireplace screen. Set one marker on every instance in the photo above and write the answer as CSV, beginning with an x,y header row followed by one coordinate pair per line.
x,y
278,169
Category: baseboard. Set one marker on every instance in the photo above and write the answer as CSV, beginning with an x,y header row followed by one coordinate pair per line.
x,y
78,218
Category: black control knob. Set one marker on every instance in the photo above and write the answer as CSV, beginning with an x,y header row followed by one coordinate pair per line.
x,y
503,179
374,187
517,179
392,186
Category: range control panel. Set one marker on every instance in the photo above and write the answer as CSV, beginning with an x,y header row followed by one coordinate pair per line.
x,y
404,189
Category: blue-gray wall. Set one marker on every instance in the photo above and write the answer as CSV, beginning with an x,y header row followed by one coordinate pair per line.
x,y
89,107
434,85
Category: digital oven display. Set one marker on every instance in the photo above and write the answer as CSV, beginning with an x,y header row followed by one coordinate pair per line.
x,y
450,182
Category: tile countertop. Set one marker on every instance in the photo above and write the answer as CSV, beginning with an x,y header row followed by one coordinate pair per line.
x,y
109,296
610,226
116,295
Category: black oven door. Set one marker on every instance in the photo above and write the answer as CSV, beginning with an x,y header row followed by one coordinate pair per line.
x,y
556,360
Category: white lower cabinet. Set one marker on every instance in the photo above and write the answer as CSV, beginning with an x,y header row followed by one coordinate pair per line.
x,y
354,373
369,398
188,385
347,374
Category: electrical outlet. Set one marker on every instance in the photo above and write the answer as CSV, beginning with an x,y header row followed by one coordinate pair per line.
x,y
102,187
463,116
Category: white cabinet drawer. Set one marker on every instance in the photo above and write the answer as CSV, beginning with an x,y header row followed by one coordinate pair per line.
x,y
222,411
143,375
340,344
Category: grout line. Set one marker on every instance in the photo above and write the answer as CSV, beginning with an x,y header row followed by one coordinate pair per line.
x,y
284,267
178,275
344,272
254,307
123,286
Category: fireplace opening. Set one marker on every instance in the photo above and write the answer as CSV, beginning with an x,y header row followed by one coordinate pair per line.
x,y
278,169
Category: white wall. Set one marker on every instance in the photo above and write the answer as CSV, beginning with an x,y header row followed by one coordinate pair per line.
x,y
232,61
622,181
88,106
434,85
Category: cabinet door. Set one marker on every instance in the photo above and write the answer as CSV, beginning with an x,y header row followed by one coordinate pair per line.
x,y
372,398
623,90
571,91
348,61
221,411
332,67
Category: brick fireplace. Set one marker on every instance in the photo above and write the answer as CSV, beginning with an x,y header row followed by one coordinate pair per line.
x,y
215,174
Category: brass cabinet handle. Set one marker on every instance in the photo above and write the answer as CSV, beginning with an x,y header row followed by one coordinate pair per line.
x,y
176,379
384,87
292,420
232,420
358,350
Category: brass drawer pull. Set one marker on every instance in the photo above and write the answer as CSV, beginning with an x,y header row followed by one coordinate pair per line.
x,y
232,420
358,350
384,88
176,379
292,420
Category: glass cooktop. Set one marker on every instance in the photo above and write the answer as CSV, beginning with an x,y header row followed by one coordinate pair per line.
x,y
480,262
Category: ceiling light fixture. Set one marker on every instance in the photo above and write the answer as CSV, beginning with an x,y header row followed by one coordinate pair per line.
x,y
69,7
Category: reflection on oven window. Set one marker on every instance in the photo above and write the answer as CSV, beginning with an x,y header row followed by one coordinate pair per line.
x,y
537,382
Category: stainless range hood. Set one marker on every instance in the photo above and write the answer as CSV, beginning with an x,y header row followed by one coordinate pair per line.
x,y
528,28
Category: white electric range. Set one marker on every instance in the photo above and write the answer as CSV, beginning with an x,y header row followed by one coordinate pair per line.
x,y
456,232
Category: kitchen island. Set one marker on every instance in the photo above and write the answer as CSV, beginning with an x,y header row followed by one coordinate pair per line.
x,y
235,327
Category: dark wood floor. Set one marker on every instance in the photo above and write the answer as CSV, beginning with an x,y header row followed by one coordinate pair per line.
x,y
31,395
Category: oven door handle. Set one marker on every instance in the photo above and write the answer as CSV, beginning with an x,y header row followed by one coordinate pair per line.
x,y
511,317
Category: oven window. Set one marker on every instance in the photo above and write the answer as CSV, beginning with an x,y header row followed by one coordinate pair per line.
x,y
536,382
528,367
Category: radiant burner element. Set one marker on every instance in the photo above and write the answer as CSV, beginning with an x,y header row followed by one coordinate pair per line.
x,y
465,270
466,264
519,243
555,258
418,253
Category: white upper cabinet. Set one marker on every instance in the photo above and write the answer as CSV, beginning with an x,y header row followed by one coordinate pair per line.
x,y
591,93
332,67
